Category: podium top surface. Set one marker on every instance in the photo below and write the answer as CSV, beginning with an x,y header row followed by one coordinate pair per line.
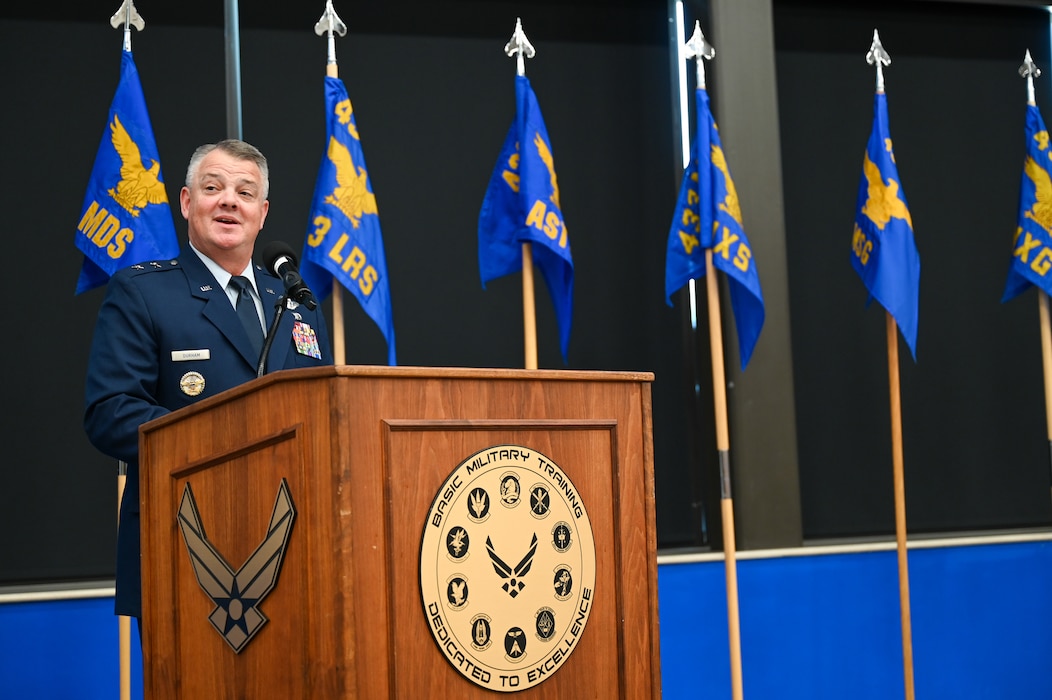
x,y
383,371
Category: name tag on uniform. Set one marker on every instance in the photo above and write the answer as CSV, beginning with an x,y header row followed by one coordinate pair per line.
x,y
188,355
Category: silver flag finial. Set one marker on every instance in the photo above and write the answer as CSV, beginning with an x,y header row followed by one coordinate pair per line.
x,y
879,57
520,47
699,49
330,22
1029,70
329,25
698,46
129,17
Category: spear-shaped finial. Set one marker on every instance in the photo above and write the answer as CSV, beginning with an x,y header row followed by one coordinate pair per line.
x,y
877,55
698,48
520,47
330,24
127,15
1029,70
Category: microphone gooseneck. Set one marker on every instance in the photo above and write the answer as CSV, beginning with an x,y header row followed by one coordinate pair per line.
x,y
279,311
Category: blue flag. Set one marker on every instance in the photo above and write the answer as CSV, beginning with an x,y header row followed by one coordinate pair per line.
x,y
707,217
125,218
884,253
1032,248
521,205
343,239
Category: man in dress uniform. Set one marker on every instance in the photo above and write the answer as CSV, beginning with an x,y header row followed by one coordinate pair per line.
x,y
173,332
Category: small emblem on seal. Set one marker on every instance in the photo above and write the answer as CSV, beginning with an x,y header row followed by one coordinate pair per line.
x,y
540,501
457,543
457,592
192,383
508,618
561,536
478,505
545,624
481,632
509,490
563,583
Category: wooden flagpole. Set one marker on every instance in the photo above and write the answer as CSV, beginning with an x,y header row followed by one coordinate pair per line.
x,y
521,48
529,310
123,621
127,17
699,49
900,503
719,392
879,58
1046,361
329,24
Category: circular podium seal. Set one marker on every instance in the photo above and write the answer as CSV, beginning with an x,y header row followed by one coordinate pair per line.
x,y
507,568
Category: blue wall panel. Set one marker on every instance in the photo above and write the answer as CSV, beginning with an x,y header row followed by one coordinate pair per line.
x,y
983,621
828,626
63,650
813,626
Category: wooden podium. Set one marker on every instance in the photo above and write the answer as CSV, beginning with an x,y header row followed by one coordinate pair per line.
x,y
282,526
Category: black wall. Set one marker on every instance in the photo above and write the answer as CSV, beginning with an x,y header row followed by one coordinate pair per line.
x,y
432,109
975,442
433,96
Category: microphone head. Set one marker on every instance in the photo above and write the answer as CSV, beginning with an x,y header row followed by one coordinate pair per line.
x,y
274,251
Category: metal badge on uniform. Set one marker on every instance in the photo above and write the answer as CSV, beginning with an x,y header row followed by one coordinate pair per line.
x,y
192,383
306,340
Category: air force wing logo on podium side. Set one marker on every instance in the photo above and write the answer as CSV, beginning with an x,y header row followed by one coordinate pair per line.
x,y
237,595
510,617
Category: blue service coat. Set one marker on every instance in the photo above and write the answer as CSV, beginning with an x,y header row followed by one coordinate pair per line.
x,y
151,311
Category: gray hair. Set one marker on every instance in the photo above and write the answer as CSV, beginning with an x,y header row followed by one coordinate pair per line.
x,y
236,148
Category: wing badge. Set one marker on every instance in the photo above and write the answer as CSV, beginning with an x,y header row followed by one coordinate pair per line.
x,y
237,595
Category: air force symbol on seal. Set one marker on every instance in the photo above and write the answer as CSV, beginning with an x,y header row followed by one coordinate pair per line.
x,y
532,580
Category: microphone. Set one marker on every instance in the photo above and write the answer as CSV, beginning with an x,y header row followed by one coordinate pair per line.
x,y
280,259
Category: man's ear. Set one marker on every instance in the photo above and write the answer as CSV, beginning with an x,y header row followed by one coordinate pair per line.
x,y
184,202
263,213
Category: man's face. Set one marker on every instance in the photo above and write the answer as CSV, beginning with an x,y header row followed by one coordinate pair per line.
x,y
224,206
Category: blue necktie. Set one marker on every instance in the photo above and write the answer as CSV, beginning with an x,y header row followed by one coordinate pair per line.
x,y
246,311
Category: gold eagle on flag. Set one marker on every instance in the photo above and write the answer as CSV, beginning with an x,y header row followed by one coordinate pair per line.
x,y
730,202
138,186
546,155
882,201
1041,211
351,195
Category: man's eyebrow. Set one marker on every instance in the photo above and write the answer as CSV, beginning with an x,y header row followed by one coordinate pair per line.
x,y
240,182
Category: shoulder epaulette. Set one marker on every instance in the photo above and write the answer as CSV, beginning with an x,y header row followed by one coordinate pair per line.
x,y
152,266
